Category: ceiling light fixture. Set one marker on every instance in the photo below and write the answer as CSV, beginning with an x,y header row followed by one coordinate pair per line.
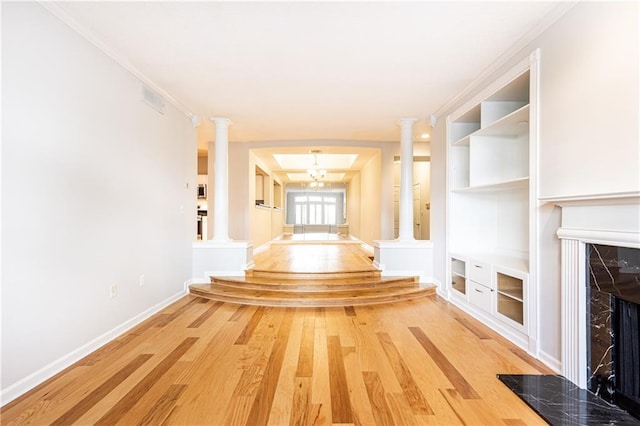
x,y
315,172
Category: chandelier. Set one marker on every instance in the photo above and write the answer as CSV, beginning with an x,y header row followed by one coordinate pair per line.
x,y
315,172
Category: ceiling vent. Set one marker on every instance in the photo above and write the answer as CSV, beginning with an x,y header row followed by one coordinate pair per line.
x,y
153,99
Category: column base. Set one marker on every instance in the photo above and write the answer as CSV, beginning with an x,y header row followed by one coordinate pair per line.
x,y
405,258
222,258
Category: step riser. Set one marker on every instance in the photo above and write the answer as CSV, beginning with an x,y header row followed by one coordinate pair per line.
x,y
308,290
320,287
315,275
316,302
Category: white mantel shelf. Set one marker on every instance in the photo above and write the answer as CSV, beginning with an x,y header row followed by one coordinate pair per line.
x,y
594,199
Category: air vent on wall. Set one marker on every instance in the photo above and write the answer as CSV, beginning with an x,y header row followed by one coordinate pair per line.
x,y
153,99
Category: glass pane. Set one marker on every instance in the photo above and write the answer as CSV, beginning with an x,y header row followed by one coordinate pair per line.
x,y
329,214
312,215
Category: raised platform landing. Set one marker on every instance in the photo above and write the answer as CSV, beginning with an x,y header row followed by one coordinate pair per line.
x,y
313,274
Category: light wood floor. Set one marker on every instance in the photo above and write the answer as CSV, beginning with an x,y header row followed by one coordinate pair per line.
x,y
316,256
200,362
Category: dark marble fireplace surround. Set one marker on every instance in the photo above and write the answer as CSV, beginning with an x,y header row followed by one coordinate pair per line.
x,y
613,335
613,346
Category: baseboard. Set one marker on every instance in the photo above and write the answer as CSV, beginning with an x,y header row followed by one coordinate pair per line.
x,y
550,361
31,381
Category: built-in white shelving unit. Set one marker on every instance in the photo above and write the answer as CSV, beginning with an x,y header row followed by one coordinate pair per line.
x,y
491,204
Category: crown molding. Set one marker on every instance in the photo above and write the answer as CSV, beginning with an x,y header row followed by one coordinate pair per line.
x,y
121,60
550,18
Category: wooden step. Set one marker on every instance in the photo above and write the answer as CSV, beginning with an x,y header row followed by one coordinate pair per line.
x,y
279,275
303,299
312,286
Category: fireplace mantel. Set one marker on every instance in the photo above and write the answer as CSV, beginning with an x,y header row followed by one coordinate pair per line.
x,y
610,219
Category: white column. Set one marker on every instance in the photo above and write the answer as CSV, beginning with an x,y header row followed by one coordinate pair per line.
x,y
406,180
221,176
211,181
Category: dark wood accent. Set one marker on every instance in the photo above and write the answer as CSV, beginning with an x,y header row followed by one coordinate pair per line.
x,y
453,375
340,403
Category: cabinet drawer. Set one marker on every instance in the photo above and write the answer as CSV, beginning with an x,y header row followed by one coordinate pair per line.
x,y
480,296
480,272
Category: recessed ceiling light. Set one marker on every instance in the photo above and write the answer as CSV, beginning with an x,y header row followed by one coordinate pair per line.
x,y
424,135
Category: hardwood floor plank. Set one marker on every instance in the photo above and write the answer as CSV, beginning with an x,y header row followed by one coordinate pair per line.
x,y
162,408
456,379
375,391
251,326
305,357
340,403
143,386
320,388
401,411
412,392
301,406
350,311
205,315
468,410
166,319
282,406
513,422
239,312
259,414
95,396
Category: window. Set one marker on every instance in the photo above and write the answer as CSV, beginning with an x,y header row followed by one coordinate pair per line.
x,y
315,210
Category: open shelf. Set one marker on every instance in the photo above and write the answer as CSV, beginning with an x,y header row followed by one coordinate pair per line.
x,y
511,125
511,308
510,286
458,275
458,283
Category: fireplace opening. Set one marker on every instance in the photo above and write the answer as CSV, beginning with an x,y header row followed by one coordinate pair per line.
x,y
627,355
613,340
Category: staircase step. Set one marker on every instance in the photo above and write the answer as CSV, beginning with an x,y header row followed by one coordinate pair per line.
x,y
297,299
279,275
312,286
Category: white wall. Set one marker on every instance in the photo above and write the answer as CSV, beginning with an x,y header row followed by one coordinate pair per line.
x,y
353,205
370,200
589,101
588,131
93,187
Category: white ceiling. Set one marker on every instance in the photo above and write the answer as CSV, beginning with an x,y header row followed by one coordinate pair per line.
x,y
310,70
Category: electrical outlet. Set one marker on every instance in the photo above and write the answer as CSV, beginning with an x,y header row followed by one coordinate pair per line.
x,y
113,291
141,280
181,209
